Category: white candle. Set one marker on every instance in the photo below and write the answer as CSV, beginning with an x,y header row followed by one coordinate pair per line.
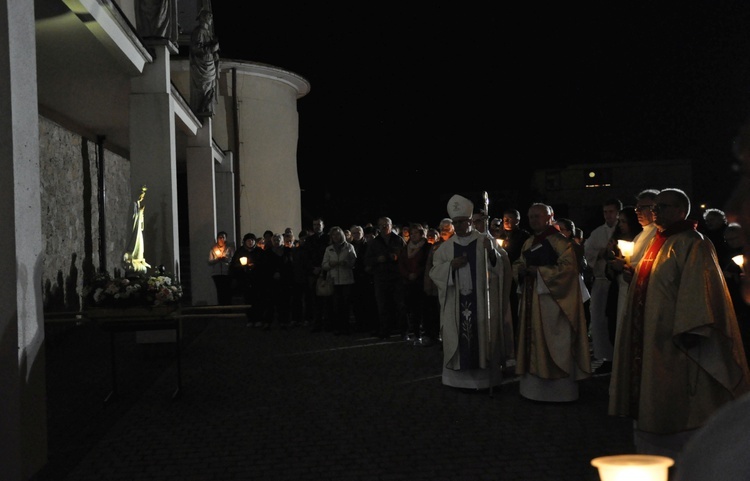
x,y
626,247
633,467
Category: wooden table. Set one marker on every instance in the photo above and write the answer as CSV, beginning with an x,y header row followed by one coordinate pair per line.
x,y
157,318
138,319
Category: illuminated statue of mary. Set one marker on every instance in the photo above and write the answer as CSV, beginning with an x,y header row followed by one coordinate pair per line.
x,y
133,260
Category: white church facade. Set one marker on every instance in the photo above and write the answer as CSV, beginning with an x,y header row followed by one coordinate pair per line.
x,y
93,112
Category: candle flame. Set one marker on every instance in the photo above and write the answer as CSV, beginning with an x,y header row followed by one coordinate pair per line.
x,y
626,247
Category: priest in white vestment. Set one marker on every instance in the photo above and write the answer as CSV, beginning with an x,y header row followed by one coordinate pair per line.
x,y
471,319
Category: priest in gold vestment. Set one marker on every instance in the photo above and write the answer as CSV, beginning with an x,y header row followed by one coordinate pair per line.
x,y
553,348
678,352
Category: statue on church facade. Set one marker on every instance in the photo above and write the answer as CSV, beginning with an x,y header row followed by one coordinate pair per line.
x,y
204,66
157,19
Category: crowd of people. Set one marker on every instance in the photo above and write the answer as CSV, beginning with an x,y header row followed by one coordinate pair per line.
x,y
665,317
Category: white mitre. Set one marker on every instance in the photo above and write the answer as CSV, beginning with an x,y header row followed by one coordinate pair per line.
x,y
459,206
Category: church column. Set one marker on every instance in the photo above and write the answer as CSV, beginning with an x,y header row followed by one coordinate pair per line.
x,y
23,425
153,158
202,213
225,212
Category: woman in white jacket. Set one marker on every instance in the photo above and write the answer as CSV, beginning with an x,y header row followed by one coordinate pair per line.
x,y
338,265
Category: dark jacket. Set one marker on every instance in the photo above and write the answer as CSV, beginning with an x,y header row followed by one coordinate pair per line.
x,y
387,248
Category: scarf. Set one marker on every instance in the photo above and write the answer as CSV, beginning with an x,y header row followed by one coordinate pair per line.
x,y
413,247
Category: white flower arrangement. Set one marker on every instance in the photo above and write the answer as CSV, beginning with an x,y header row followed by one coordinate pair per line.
x,y
163,290
142,290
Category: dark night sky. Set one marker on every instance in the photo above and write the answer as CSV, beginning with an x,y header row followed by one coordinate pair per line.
x,y
495,88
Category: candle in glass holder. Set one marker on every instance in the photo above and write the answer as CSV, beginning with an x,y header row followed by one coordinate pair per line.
x,y
626,247
243,261
633,467
739,260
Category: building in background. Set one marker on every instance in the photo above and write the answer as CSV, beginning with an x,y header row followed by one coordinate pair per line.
x,y
577,191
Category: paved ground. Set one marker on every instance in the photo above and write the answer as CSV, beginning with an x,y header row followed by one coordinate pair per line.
x,y
293,405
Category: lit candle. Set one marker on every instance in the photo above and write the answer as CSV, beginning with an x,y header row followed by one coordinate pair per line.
x,y
633,467
739,260
243,261
500,242
626,247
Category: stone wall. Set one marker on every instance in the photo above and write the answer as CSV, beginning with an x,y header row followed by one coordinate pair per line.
x,y
69,165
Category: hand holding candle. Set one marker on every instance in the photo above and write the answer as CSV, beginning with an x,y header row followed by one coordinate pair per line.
x,y
626,247
739,260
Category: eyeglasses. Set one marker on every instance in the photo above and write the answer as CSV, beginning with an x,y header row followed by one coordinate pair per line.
x,y
641,208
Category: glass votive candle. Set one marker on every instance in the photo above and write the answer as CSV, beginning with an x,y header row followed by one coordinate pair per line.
x,y
632,467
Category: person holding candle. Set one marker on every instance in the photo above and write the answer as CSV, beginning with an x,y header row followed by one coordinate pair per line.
x,y
219,259
734,272
644,205
512,236
738,206
597,251
678,355
622,238
248,269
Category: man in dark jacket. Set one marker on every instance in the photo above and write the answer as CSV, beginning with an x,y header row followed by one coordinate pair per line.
x,y
248,270
315,246
381,260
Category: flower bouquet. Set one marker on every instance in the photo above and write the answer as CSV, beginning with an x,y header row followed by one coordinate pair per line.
x,y
140,290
